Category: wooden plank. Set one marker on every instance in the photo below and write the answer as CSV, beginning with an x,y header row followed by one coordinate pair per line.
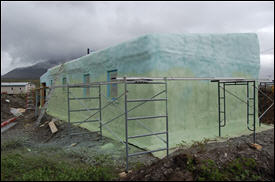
x,y
53,127
44,124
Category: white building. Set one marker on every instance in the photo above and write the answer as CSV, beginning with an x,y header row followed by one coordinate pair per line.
x,y
16,87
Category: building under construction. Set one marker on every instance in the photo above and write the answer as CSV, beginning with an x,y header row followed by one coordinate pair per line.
x,y
161,89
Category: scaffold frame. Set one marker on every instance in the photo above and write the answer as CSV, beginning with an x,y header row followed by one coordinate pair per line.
x,y
248,99
223,82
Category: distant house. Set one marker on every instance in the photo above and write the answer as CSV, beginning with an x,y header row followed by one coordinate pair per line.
x,y
16,87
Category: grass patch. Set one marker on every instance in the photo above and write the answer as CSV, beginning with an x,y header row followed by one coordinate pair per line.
x,y
32,167
195,144
182,145
239,169
11,145
138,166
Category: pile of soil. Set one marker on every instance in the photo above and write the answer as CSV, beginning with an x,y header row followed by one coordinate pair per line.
x,y
264,103
9,101
176,166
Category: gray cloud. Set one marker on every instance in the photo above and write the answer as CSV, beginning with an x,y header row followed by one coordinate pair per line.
x,y
35,31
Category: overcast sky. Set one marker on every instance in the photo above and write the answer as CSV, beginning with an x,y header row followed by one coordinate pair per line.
x,y
35,31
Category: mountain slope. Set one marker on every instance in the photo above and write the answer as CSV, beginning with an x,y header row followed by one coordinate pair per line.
x,y
31,72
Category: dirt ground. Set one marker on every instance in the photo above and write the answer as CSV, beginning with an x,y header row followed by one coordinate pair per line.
x,y
8,101
176,167
88,146
71,139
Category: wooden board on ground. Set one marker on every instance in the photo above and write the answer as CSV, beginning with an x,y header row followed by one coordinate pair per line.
x,y
44,124
53,127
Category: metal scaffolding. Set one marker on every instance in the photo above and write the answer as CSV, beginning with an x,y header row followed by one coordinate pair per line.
x,y
71,97
127,137
265,84
222,107
222,84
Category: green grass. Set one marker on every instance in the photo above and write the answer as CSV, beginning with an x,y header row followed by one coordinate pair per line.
x,y
10,145
19,164
200,145
239,169
16,166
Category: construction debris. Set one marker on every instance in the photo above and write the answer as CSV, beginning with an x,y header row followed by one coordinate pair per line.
x,y
8,121
124,174
17,111
8,126
44,124
53,127
10,101
255,146
73,144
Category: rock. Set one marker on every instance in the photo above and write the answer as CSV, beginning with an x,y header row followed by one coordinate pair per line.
x,y
147,177
168,172
155,177
122,175
188,176
167,165
162,169
73,144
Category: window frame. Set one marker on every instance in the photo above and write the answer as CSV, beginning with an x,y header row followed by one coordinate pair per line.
x,y
64,82
111,85
86,90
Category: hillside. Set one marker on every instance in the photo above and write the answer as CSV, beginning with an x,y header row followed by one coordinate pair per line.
x,y
31,72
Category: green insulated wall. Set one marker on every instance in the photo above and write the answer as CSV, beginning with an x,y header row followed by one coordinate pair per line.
x,y
192,105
